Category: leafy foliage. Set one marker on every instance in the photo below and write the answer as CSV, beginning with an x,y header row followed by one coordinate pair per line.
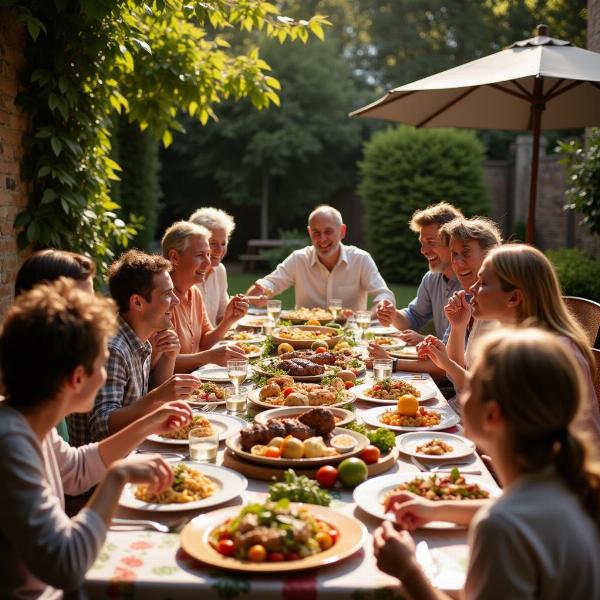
x,y
583,165
88,59
406,169
579,273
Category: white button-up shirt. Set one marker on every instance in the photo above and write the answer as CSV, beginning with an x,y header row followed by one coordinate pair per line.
x,y
353,277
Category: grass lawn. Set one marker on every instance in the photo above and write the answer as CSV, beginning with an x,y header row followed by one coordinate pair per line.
x,y
240,282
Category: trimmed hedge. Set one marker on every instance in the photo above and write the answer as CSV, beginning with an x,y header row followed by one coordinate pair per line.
x,y
405,169
579,273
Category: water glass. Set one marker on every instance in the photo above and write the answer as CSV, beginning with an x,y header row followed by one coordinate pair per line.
x,y
237,371
268,326
203,448
382,368
334,305
363,320
274,309
236,404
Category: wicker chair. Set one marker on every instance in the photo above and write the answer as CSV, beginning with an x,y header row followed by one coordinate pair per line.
x,y
587,312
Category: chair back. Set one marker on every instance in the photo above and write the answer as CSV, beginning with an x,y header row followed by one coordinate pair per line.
x,y
587,313
596,354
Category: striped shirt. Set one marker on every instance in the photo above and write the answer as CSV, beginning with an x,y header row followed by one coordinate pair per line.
x,y
128,369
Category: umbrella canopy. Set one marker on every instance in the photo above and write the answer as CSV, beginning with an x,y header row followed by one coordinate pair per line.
x,y
539,83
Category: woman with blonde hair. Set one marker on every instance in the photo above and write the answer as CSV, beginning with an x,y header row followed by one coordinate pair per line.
x,y
541,538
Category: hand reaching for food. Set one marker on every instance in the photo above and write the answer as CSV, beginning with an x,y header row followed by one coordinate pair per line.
x,y
394,551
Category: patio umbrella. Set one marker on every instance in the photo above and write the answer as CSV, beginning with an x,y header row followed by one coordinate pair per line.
x,y
534,84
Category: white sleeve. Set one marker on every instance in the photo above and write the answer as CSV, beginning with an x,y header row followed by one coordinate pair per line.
x,y
284,276
373,283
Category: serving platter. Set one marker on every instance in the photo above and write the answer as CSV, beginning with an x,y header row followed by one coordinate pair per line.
x,y
253,321
234,444
254,397
333,336
369,496
230,484
195,536
224,425
343,416
265,366
408,442
448,419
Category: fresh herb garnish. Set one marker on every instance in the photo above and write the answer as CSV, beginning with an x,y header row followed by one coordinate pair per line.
x,y
383,438
299,489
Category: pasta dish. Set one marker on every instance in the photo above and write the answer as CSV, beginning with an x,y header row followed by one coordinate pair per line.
x,y
198,422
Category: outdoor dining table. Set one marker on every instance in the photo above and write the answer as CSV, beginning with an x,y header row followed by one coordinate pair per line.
x,y
152,565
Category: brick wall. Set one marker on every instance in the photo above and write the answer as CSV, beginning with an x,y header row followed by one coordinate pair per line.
x,y
13,193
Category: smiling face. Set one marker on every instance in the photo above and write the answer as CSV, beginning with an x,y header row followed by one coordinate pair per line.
x,y
326,234
433,249
191,265
218,246
466,259
490,300
159,311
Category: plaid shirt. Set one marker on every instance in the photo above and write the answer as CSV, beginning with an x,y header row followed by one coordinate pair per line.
x,y
128,369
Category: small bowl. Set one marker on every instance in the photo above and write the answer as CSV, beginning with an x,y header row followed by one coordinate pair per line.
x,y
343,443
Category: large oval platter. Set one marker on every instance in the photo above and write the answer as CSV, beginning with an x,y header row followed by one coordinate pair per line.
x,y
234,444
254,397
333,336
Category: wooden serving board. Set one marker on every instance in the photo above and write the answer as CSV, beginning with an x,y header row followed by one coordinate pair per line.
x,y
266,473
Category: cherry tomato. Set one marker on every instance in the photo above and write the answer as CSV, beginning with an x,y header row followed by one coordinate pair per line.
x,y
324,540
376,388
272,452
288,391
327,476
292,556
226,547
275,557
225,535
320,349
423,410
349,384
257,553
333,534
370,454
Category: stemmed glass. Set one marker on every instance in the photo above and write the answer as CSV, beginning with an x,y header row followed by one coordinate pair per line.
x,y
363,320
237,371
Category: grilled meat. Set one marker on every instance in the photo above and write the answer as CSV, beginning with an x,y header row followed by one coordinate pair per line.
x,y
300,367
320,419
319,358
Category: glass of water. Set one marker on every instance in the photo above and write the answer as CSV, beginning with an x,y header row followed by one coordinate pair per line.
x,y
268,326
334,306
382,368
274,309
203,447
237,371
363,320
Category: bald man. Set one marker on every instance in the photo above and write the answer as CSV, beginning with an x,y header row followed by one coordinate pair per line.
x,y
327,269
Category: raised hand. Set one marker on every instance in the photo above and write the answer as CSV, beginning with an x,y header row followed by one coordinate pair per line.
x,y
435,350
169,417
385,312
177,387
259,295
458,310
164,342
150,469
236,308
220,356
394,550
410,511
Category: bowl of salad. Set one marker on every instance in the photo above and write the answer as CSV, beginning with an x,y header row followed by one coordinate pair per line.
x,y
273,537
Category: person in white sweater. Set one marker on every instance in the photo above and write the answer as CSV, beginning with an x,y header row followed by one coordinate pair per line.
x,y
53,348
541,538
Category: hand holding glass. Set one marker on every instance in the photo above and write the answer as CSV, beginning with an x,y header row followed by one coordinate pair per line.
x,y
237,371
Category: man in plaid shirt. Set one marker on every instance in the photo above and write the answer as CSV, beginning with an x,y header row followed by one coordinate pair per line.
x,y
142,287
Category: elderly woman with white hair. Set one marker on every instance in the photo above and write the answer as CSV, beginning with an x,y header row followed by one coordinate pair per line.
x,y
214,287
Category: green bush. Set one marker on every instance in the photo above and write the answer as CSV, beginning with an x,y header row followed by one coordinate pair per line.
x,y
579,273
275,256
405,169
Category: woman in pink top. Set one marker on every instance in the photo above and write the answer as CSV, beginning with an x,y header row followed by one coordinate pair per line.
x,y
541,538
53,348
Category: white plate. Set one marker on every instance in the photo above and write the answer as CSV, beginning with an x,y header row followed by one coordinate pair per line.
x,y
448,419
346,416
253,321
235,343
408,443
254,397
427,388
369,495
256,338
409,352
214,373
229,483
225,425
381,330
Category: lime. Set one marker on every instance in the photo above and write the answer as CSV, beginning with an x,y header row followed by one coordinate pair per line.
x,y
319,344
352,471
334,325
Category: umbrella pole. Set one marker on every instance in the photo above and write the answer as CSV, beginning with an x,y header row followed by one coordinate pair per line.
x,y
537,106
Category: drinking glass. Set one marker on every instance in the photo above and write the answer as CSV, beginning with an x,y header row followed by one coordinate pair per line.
x,y
382,368
335,307
203,448
236,404
237,371
363,320
274,309
268,326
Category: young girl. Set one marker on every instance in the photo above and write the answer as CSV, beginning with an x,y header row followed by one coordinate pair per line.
x,y
541,539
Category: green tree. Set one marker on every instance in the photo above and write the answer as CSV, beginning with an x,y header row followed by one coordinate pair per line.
x,y
89,58
405,169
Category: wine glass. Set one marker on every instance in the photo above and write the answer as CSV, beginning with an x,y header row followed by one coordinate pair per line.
x,y
237,371
274,309
335,307
363,320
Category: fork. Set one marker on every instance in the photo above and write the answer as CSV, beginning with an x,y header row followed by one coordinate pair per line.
x,y
445,466
206,407
175,527
165,454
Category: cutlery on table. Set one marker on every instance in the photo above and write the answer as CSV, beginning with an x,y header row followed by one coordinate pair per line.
x,y
177,455
146,524
445,466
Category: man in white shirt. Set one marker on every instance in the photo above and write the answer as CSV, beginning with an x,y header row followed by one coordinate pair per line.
x,y
327,269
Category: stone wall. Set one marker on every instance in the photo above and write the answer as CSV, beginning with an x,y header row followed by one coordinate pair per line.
x,y
13,192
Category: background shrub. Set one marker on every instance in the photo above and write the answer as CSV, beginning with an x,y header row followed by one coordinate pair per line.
x,y
579,273
405,169
277,255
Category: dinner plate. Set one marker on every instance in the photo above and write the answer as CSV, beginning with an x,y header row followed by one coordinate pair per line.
x,y
194,540
448,419
253,321
344,416
230,484
409,352
225,425
214,373
381,330
254,397
234,444
426,387
370,494
255,338
235,343
408,443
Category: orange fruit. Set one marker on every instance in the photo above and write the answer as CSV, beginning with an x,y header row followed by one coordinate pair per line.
x,y
408,405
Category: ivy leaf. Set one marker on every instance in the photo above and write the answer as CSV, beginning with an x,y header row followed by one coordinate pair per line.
x,y
143,45
56,145
48,196
22,219
33,231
